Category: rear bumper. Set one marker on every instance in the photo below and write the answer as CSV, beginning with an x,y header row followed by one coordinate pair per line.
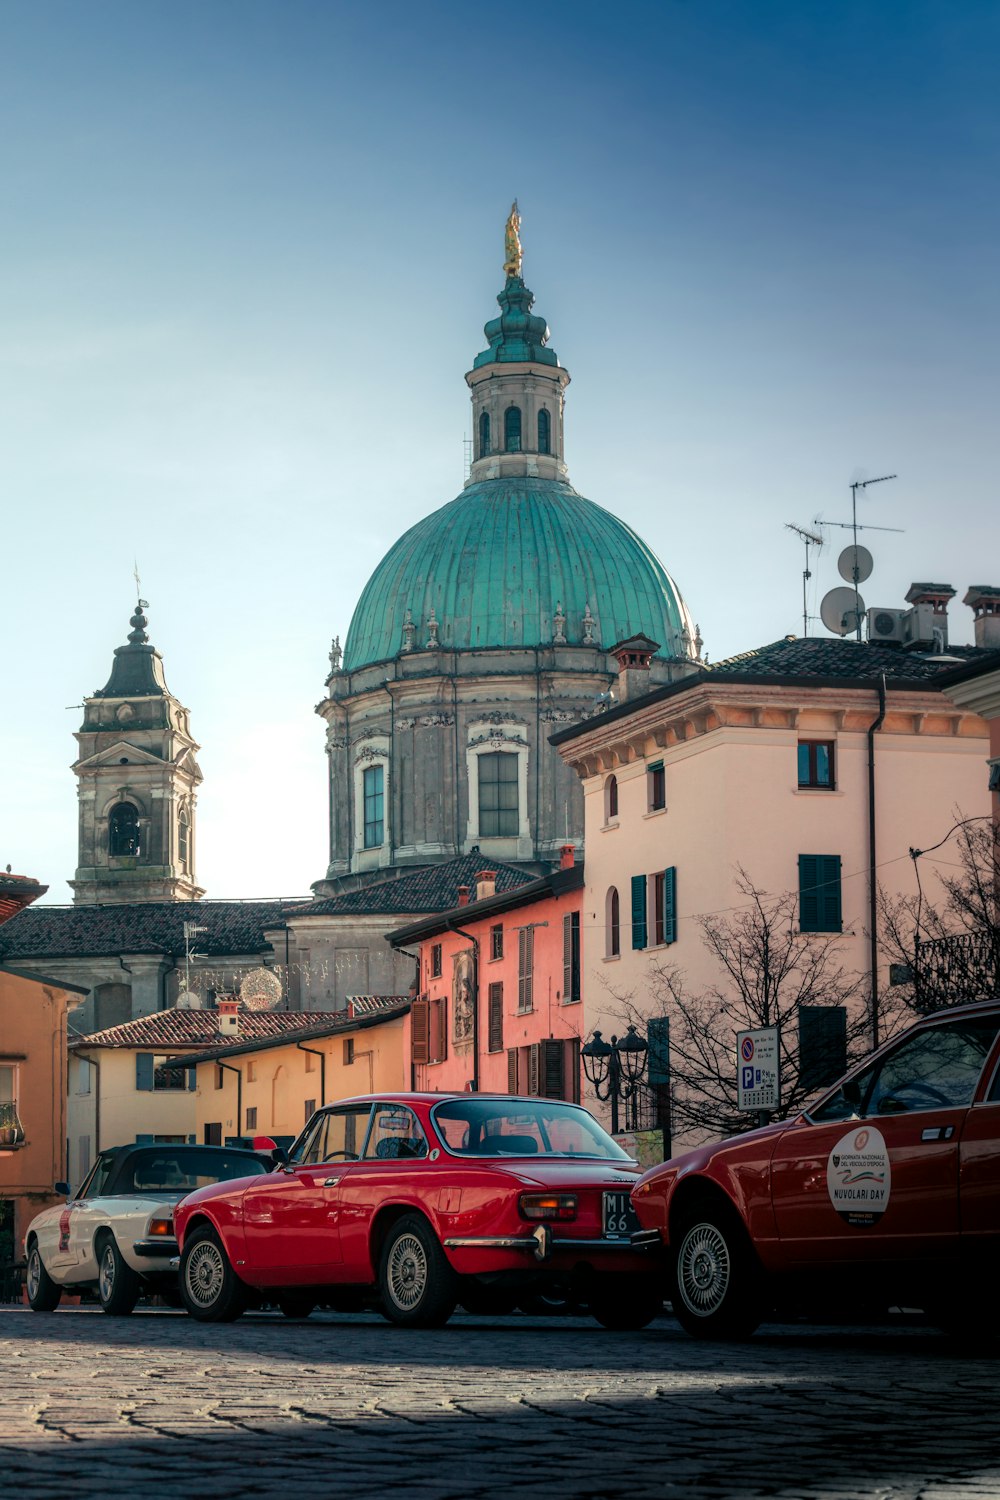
x,y
162,1248
543,1244
647,1239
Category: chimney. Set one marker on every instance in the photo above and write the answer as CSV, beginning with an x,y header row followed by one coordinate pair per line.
x,y
567,857
463,895
930,605
633,657
984,601
486,884
229,1016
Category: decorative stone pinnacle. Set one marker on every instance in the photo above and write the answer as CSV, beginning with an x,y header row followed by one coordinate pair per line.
x,y
409,631
138,622
588,626
432,631
336,654
559,621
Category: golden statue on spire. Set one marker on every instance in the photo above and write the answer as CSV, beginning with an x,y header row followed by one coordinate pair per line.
x,y
512,242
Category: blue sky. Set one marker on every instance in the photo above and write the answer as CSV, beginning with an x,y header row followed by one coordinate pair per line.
x,y
247,253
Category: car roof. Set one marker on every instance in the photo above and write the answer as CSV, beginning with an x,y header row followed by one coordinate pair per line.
x,y
431,1097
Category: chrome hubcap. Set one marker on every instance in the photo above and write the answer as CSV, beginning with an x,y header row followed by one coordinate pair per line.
x,y
106,1282
205,1274
407,1272
704,1269
34,1273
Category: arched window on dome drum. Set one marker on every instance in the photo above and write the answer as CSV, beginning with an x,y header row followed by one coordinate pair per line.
x,y
613,926
544,432
512,429
611,799
184,837
123,830
499,814
484,434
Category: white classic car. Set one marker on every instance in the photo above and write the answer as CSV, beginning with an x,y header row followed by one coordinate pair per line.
x,y
117,1233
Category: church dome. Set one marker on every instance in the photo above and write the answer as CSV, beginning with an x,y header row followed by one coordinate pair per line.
x,y
515,562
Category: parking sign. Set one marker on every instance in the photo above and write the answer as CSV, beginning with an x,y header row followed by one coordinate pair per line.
x,y
757,1075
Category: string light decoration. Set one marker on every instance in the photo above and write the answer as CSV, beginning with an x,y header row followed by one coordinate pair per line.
x,y
260,990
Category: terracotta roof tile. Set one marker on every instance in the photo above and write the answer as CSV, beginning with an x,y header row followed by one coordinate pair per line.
x,y
170,1029
427,889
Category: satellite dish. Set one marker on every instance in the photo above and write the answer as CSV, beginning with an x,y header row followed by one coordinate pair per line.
x,y
855,563
188,1000
841,610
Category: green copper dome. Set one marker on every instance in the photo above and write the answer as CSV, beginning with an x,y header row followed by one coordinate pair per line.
x,y
518,336
516,562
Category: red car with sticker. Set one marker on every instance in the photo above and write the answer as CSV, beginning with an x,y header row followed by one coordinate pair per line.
x,y
420,1202
886,1192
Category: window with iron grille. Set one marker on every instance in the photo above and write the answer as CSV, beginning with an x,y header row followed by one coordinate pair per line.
x,y
816,764
525,969
498,800
495,1029
496,941
374,794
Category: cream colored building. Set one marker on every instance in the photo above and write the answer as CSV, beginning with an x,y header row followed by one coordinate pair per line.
x,y
773,761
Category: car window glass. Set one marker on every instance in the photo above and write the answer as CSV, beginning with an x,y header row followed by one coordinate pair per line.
x,y
935,1069
182,1171
396,1135
95,1183
525,1127
994,1094
346,1132
844,1106
309,1147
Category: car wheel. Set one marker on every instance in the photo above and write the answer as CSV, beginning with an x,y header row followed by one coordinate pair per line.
x,y
211,1289
43,1293
296,1307
117,1283
626,1307
418,1287
717,1279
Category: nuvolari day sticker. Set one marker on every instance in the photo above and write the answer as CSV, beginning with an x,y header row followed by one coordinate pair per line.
x,y
859,1177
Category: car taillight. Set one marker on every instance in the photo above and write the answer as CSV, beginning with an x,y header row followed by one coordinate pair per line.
x,y
548,1205
164,1227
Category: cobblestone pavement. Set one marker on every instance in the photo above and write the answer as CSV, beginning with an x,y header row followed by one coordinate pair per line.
x,y
350,1406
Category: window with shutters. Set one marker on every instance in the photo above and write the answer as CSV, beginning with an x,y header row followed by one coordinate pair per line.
x,y
496,941
656,786
663,904
571,958
822,1045
612,924
525,969
252,1117
819,893
656,892
816,764
435,960
638,911
495,1025
420,1030
437,1030
572,1069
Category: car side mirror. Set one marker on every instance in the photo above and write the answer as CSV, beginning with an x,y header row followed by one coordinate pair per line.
x,y
279,1157
63,1188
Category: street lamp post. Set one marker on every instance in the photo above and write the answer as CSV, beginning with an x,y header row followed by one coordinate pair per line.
x,y
615,1070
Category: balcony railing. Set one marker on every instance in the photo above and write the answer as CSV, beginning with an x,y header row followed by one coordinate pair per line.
x,y
957,970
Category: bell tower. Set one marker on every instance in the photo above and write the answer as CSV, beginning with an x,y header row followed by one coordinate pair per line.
x,y
138,780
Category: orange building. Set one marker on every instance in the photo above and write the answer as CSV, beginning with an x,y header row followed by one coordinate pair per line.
x,y
33,1012
499,1007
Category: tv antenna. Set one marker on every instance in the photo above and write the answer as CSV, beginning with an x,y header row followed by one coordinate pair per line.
x,y
811,540
858,554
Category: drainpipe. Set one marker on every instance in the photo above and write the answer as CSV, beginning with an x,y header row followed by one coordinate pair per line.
x,y
460,932
239,1096
413,1067
873,729
322,1068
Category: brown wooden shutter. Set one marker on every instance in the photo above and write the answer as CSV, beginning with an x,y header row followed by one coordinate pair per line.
x,y
572,1069
420,1038
512,1070
552,1068
534,1067
438,1030
496,1017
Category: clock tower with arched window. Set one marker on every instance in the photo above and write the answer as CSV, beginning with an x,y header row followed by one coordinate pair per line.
x,y
138,781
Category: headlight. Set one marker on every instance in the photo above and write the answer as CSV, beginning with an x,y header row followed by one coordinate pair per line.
x,y
161,1227
548,1205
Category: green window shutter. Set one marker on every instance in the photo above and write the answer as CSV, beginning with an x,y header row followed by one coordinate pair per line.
x,y
819,893
638,911
192,1074
145,1140
670,905
658,1041
144,1070
822,1045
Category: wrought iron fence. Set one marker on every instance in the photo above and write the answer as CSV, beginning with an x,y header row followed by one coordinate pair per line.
x,y
957,970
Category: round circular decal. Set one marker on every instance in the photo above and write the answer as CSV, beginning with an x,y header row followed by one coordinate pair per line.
x,y
747,1048
859,1177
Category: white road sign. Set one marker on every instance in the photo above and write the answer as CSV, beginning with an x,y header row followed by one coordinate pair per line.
x,y
757,1075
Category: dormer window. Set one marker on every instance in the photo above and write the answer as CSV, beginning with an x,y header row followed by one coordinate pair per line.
x,y
512,429
484,434
123,830
544,432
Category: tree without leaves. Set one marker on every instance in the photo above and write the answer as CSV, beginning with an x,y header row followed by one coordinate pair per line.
x,y
769,971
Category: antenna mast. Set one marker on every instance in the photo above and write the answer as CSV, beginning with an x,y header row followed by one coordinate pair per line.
x,y
853,527
811,540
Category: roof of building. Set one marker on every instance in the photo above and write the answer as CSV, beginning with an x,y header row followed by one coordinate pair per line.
x,y
430,888
138,667
141,927
319,1024
17,892
556,883
815,661
168,1029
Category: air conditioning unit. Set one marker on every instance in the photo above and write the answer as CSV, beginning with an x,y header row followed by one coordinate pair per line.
x,y
887,625
919,624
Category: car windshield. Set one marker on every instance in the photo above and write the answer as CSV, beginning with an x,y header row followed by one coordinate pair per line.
x,y
166,1171
522,1127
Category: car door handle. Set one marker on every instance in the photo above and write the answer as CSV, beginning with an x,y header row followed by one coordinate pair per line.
x,y
331,1182
937,1133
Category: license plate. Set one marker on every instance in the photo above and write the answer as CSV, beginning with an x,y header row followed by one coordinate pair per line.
x,y
619,1216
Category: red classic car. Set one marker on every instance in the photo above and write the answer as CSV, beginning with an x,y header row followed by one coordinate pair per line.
x,y
422,1202
885,1192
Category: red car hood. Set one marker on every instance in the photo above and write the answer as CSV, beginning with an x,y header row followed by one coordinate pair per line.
x,y
700,1156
